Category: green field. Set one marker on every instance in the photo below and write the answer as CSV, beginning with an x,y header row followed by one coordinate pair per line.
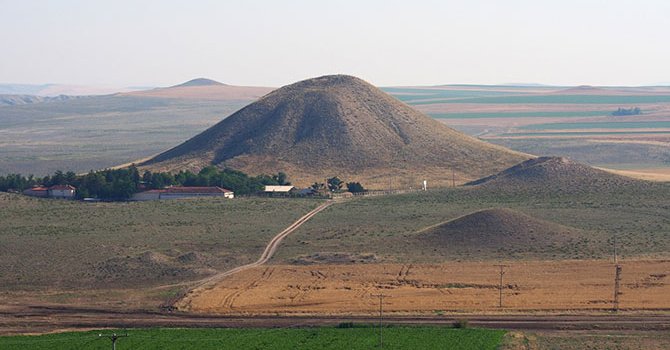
x,y
411,94
556,99
291,338
551,114
586,133
599,125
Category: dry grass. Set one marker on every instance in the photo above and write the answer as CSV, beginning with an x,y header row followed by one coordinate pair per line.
x,y
424,289
654,174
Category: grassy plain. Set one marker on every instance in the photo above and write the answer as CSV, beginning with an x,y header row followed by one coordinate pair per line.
x,y
359,337
387,228
50,245
100,131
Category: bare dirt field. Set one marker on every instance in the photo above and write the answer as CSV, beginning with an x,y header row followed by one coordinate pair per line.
x,y
582,286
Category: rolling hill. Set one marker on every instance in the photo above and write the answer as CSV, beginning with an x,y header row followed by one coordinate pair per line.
x,y
338,125
498,229
204,89
554,173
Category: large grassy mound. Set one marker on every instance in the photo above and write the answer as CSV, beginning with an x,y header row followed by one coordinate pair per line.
x,y
337,125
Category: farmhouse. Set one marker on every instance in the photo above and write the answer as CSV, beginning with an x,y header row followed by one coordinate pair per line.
x,y
62,191
183,192
56,191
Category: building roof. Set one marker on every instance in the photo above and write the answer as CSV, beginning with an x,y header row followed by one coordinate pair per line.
x,y
62,187
180,189
38,188
274,188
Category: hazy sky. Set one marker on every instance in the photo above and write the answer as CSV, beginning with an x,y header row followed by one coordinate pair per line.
x,y
272,43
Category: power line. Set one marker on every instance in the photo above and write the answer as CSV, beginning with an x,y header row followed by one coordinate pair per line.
x,y
617,279
381,313
500,285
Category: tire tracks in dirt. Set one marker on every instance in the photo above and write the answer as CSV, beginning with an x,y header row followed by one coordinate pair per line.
x,y
270,249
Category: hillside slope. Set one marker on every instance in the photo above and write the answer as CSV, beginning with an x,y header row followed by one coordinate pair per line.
x,y
338,125
555,173
498,230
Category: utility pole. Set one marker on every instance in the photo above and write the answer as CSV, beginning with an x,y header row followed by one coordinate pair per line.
x,y
617,279
381,313
500,286
453,177
113,337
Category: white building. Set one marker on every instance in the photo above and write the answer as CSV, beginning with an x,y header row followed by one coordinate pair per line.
x,y
183,192
62,191
278,189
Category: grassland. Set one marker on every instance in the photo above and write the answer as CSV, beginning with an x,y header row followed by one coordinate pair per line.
x,y
97,132
388,227
50,245
360,337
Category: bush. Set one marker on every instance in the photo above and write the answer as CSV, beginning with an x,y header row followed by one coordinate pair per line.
x,y
461,324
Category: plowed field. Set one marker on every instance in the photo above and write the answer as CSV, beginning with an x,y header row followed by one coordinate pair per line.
x,y
421,289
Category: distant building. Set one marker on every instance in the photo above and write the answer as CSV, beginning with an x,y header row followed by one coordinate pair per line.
x,y
62,191
56,191
39,191
183,192
278,191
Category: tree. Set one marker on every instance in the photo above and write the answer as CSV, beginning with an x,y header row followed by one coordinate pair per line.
x,y
282,179
355,187
334,184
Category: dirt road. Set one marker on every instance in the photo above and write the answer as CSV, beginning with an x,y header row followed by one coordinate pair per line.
x,y
267,254
41,319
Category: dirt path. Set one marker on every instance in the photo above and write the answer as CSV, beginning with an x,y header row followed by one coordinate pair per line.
x,y
270,249
43,319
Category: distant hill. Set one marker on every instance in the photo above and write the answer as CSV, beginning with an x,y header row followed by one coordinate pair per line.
x,y
53,90
15,100
554,173
205,89
498,230
338,125
200,82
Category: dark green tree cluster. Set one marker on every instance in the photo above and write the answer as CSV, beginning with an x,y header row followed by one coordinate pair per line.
x,y
334,184
234,180
355,187
120,184
627,111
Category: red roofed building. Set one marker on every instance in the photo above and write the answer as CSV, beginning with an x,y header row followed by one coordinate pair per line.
x,y
56,191
39,191
183,192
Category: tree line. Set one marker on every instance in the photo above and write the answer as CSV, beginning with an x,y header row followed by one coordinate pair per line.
x,y
120,184
627,111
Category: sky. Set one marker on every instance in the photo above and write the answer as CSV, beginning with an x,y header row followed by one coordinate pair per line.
x,y
387,42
